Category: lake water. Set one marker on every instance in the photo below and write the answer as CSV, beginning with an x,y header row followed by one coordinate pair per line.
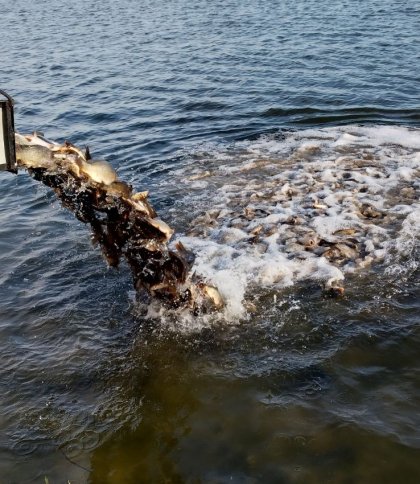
x,y
205,104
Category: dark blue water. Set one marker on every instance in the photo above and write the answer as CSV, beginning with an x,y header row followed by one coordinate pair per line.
x,y
320,391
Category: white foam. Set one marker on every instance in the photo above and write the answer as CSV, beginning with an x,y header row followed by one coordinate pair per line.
x,y
324,179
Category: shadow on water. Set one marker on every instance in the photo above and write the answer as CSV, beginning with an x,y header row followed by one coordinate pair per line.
x,y
310,116
304,396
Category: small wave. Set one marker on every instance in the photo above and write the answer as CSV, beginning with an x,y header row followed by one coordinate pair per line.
x,y
310,116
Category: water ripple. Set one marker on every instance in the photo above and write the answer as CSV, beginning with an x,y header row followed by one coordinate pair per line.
x,y
145,84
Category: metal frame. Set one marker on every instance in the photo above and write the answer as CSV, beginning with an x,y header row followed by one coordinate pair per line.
x,y
8,132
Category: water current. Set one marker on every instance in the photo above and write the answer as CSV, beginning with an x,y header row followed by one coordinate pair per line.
x,y
254,125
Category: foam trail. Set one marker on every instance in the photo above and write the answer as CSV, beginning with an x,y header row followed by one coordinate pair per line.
x,y
312,205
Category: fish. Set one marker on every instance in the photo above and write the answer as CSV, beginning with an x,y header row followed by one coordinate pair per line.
x,y
214,295
99,171
119,189
188,255
162,226
341,252
140,203
211,296
123,223
348,231
310,240
34,156
68,148
34,139
369,211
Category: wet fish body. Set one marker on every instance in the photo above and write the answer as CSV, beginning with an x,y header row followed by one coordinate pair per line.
x,y
123,223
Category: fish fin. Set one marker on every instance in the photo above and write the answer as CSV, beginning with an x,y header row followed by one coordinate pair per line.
x,y
139,196
87,154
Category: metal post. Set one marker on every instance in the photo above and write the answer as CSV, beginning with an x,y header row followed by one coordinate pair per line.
x,y
7,134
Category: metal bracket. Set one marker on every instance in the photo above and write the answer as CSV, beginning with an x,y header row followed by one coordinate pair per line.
x,y
7,134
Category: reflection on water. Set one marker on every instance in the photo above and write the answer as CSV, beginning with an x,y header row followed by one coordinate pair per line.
x,y
305,388
318,389
313,398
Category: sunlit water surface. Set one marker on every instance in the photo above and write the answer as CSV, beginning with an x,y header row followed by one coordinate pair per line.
x,y
204,104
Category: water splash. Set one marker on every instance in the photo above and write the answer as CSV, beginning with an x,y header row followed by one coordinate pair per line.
x,y
312,205
123,223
